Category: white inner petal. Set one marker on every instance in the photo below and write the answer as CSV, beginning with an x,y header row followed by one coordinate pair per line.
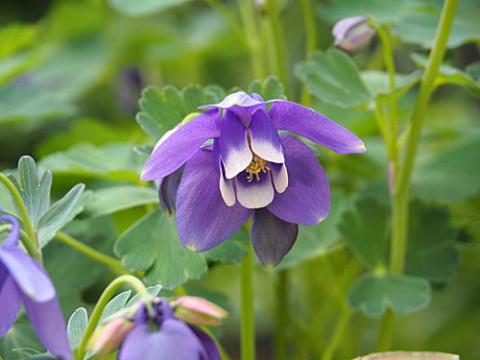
x,y
255,195
236,160
280,178
226,189
266,150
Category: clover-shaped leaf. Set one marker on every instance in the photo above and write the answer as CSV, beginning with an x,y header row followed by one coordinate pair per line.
x,y
373,293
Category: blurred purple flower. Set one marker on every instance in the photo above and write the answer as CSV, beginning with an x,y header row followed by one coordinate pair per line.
x,y
249,170
23,280
162,336
352,33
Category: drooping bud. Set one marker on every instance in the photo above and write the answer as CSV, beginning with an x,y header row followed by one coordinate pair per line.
x,y
108,337
197,311
352,33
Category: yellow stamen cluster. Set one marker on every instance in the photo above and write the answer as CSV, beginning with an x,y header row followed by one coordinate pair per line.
x,y
256,166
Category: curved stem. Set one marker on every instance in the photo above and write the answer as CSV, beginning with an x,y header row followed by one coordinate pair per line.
x,y
339,333
107,294
247,303
385,332
278,45
114,264
30,241
223,10
311,33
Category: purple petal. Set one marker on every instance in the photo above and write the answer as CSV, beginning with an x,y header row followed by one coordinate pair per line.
x,y
203,218
233,144
314,126
307,198
352,33
12,239
9,301
167,190
174,340
264,138
30,277
272,238
254,194
48,322
209,345
180,146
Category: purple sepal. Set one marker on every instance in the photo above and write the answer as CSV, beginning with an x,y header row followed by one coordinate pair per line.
x,y
272,238
209,345
167,190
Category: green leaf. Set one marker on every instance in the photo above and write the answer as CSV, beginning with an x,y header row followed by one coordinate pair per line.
x,y
162,110
15,37
34,187
144,7
451,174
315,241
230,251
152,290
112,199
333,77
419,23
62,212
380,10
152,245
271,88
76,326
377,82
115,304
372,293
450,75
432,253
112,161
366,231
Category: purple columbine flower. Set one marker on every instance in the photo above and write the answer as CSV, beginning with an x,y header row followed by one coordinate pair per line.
x,y
23,280
249,170
352,33
162,336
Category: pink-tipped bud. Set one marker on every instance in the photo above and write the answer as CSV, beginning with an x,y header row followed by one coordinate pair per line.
x,y
108,337
198,311
352,33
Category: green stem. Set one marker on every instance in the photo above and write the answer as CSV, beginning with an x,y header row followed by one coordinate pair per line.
x,y
339,333
247,303
386,329
401,193
279,55
107,294
252,35
311,33
114,264
223,10
30,241
281,316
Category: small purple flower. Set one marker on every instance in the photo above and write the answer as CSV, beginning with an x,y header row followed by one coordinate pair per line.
x,y
249,170
162,336
23,280
352,33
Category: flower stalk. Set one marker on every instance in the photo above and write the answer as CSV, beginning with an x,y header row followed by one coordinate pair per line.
x,y
247,339
278,56
29,241
107,294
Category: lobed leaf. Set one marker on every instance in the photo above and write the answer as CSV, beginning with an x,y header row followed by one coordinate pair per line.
x,y
152,245
373,293
76,326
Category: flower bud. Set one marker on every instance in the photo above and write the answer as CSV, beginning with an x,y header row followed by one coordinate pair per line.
x,y
108,337
352,33
197,311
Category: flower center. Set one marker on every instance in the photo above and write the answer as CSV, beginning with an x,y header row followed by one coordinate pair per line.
x,y
256,166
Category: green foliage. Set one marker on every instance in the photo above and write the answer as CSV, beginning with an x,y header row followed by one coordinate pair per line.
x,y
271,88
163,109
112,199
333,77
76,326
34,189
144,7
372,293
